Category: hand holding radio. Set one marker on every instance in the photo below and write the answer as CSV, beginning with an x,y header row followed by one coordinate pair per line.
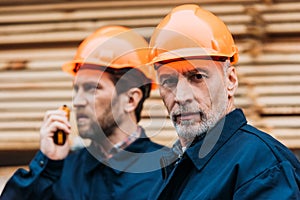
x,y
54,133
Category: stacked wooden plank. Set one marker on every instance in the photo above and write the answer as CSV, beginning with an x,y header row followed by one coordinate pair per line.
x,y
37,38
272,70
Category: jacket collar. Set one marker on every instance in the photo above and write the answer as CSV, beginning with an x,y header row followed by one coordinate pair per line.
x,y
204,149
120,161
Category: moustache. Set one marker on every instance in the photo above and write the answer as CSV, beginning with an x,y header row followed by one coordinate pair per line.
x,y
185,111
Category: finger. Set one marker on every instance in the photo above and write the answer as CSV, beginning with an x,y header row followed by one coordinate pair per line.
x,y
50,113
60,126
53,118
53,127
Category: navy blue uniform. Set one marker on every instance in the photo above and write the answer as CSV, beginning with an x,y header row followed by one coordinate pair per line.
x,y
81,176
233,161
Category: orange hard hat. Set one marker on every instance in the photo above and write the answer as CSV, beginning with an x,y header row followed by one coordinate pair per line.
x,y
189,31
114,47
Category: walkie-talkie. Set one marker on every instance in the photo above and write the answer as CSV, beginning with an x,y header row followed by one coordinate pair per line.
x,y
60,136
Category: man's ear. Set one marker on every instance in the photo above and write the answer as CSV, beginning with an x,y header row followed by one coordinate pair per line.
x,y
232,81
134,96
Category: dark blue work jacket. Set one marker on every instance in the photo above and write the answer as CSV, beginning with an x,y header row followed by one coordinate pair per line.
x,y
131,175
233,161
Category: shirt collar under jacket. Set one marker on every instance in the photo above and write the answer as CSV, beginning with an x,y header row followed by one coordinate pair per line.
x,y
120,158
125,143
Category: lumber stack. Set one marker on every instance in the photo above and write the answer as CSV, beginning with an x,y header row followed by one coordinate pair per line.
x,y
36,38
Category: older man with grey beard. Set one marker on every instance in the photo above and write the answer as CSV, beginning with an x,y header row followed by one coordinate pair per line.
x,y
218,155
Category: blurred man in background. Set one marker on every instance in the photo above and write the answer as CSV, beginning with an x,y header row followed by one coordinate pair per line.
x,y
111,83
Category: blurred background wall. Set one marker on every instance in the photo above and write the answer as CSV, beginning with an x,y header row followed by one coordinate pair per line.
x,y
37,37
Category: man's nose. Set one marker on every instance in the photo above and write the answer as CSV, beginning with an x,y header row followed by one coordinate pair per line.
x,y
79,99
183,92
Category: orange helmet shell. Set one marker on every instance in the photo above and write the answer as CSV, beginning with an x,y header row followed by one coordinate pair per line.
x,y
115,47
189,30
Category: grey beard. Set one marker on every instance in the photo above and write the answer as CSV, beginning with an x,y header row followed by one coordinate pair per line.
x,y
191,129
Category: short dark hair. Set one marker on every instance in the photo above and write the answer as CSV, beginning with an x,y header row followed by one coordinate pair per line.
x,y
127,78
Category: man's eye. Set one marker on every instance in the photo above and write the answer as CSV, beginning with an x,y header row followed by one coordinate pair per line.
x,y
91,87
98,86
169,82
196,77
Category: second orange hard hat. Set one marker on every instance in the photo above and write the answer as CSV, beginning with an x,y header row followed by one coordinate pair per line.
x,y
190,31
115,47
